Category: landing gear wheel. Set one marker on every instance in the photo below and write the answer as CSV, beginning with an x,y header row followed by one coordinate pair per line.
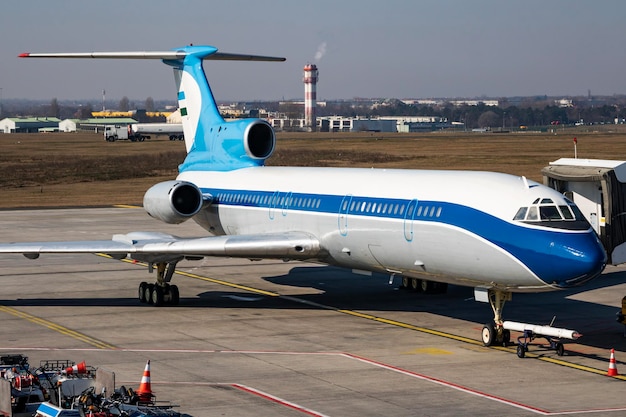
x,y
428,287
560,349
406,283
506,337
148,293
142,292
488,334
157,296
521,351
174,295
415,284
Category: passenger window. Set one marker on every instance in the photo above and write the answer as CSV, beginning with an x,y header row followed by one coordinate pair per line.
x,y
352,206
438,212
432,211
419,211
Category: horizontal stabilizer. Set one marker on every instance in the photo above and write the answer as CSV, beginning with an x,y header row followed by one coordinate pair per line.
x,y
208,53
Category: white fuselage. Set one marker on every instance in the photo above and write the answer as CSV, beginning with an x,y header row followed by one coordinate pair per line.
x,y
453,226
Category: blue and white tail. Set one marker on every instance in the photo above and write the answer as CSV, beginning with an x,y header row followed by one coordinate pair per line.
x,y
211,142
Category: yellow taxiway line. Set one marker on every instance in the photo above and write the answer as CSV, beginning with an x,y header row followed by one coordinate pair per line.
x,y
57,328
433,332
103,345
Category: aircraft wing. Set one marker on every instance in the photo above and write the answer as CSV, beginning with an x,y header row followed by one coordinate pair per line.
x,y
162,247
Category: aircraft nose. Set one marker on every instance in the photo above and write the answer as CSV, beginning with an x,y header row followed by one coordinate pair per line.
x,y
577,260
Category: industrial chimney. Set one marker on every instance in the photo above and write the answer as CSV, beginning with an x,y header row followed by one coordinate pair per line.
x,y
310,96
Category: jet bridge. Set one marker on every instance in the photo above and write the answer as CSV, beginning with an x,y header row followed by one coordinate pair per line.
x,y
598,187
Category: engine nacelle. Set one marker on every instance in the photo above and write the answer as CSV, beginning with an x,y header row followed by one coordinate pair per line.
x,y
173,201
231,145
259,139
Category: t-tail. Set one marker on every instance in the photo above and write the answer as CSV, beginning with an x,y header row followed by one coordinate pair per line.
x,y
212,143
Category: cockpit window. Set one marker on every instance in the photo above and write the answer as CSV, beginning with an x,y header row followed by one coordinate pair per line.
x,y
546,212
549,212
577,213
521,213
567,213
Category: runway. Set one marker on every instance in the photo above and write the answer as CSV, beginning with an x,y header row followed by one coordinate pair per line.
x,y
293,339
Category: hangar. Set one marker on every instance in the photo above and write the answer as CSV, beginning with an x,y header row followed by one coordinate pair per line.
x,y
28,124
598,187
93,125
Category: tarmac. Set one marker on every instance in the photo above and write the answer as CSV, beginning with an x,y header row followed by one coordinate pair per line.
x,y
292,339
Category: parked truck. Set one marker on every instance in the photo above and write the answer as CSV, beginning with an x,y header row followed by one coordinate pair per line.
x,y
122,132
173,130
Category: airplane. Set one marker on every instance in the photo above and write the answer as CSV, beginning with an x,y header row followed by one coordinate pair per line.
x,y
496,232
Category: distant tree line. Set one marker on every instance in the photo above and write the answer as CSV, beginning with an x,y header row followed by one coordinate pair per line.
x,y
525,112
73,110
482,116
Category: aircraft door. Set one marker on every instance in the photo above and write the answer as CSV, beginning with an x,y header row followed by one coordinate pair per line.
x,y
273,203
409,217
286,202
344,208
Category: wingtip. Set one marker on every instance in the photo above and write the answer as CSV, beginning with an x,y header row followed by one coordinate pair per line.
x,y
24,55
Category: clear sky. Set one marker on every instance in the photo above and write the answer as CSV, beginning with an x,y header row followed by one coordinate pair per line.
x,y
365,48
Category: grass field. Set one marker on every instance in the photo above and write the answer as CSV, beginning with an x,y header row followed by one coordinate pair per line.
x,y
81,169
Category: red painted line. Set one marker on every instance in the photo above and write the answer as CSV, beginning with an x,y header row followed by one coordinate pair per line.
x,y
277,400
477,393
448,384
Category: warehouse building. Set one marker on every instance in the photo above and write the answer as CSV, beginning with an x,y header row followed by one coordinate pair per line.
x,y
93,125
29,124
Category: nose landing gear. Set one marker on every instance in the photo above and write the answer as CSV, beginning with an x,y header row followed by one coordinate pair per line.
x,y
495,333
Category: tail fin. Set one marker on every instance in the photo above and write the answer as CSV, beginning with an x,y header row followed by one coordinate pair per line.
x,y
211,142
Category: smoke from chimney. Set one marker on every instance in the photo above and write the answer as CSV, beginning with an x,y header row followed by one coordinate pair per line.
x,y
321,51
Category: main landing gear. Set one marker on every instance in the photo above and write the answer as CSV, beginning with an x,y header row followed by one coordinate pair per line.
x,y
161,292
422,285
495,333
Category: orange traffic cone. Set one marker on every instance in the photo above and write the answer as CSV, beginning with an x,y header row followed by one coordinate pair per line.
x,y
612,367
145,390
81,368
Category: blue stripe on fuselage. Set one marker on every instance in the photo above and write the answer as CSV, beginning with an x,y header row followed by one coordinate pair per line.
x,y
558,257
